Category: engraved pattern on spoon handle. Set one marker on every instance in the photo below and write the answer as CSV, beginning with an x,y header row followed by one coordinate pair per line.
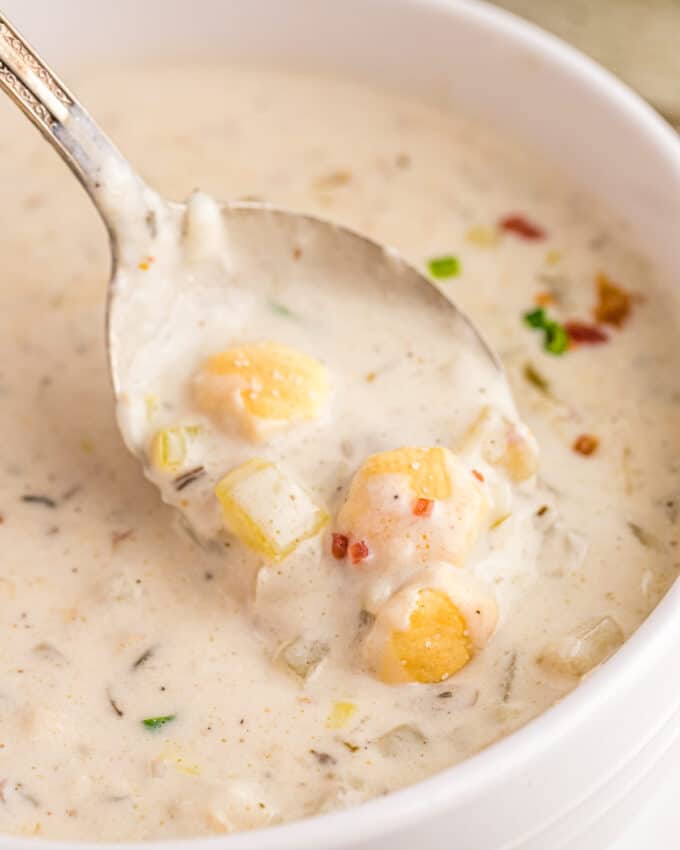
x,y
27,79
18,63
32,85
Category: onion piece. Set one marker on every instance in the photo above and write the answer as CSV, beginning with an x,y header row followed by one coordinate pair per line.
x,y
583,650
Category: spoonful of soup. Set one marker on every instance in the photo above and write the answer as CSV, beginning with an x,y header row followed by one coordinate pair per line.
x,y
223,319
310,402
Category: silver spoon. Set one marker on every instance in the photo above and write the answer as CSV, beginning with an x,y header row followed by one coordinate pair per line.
x,y
142,224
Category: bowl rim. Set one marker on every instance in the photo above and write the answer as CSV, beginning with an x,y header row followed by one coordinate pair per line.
x,y
383,816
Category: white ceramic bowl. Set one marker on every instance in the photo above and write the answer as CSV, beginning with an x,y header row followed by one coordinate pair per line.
x,y
572,778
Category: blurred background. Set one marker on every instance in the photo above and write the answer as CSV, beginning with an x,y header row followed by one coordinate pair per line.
x,y
639,40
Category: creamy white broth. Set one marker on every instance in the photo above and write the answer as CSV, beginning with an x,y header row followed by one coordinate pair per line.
x,y
89,585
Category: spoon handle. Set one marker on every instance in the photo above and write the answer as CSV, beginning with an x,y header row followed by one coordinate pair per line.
x,y
39,93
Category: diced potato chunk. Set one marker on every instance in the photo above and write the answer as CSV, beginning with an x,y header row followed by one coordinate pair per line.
x,y
520,458
266,510
409,504
431,628
578,653
169,447
435,645
260,388
425,469
504,443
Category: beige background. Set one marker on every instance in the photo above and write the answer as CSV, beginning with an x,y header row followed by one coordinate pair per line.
x,y
637,39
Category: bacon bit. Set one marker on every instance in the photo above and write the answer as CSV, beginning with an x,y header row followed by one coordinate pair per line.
x,y
339,546
586,444
423,507
358,552
613,303
544,299
582,332
478,475
3,782
521,226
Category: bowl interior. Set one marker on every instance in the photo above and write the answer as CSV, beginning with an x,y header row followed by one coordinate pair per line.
x,y
523,82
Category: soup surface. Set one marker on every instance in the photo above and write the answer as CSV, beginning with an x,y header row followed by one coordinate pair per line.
x,y
153,685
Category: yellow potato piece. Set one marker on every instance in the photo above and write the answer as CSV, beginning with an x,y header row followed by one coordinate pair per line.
x,y
505,444
340,714
260,386
382,507
266,510
425,468
436,643
520,459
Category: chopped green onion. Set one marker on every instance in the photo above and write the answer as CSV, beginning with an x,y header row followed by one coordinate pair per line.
x,y
556,337
157,722
443,267
536,318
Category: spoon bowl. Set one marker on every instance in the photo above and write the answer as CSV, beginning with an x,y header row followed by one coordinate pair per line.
x,y
190,271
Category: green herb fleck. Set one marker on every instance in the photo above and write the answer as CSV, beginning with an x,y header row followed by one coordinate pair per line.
x,y
556,339
157,722
443,267
281,310
535,378
536,318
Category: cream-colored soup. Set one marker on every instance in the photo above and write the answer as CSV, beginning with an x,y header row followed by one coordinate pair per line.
x,y
110,618
256,444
